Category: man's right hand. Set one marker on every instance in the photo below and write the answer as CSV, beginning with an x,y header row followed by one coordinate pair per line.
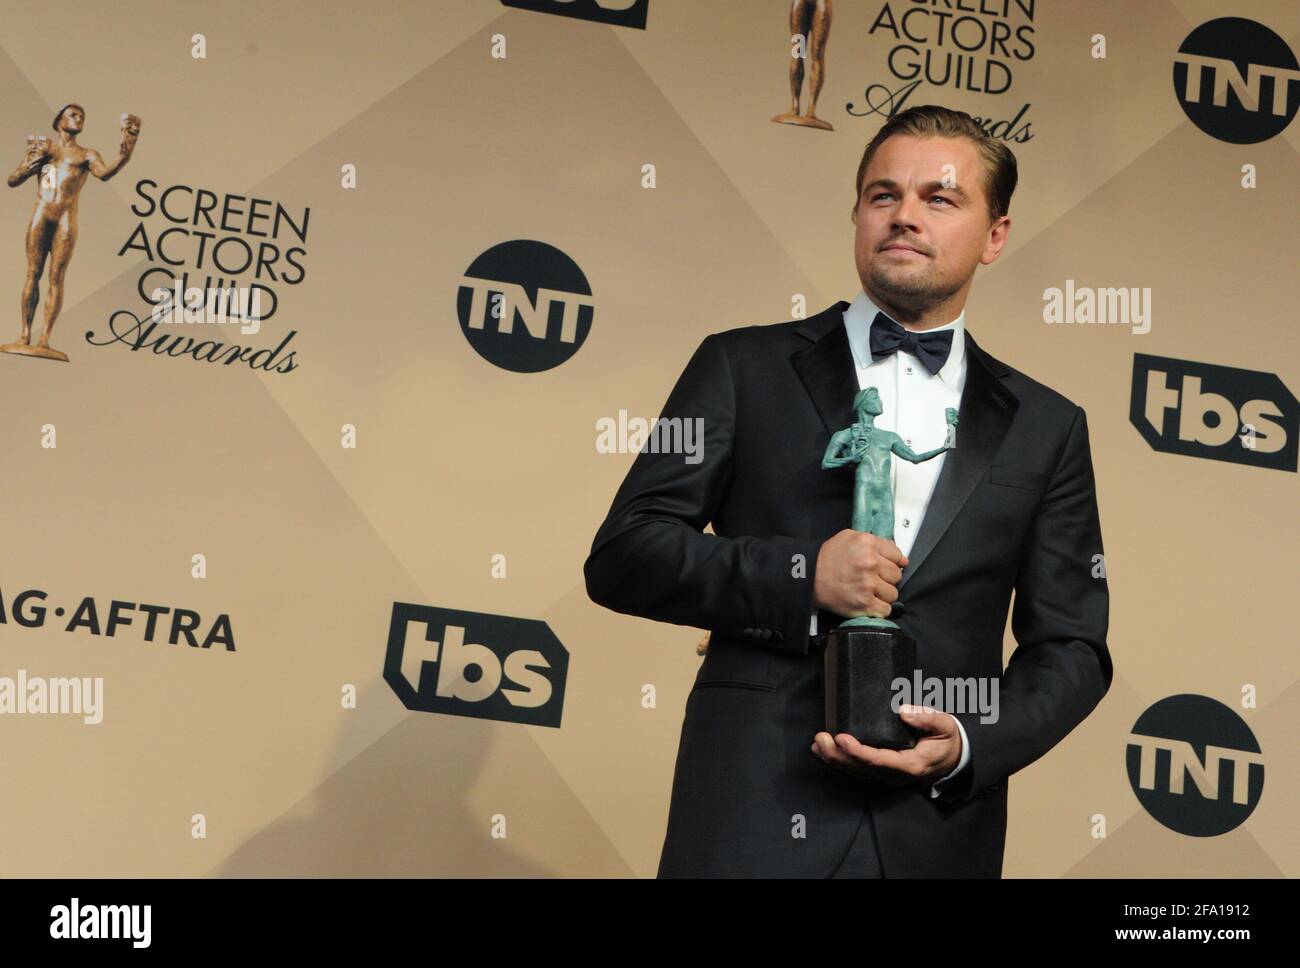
x,y
858,574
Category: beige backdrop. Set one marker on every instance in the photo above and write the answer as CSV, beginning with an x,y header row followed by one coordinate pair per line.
x,y
308,544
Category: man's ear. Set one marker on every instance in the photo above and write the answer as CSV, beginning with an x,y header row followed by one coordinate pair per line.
x,y
998,234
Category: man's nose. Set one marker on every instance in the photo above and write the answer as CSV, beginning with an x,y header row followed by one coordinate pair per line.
x,y
907,213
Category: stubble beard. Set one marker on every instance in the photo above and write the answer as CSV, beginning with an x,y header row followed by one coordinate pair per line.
x,y
912,294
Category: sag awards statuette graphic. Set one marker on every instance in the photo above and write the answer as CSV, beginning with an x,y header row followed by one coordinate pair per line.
x,y
52,230
865,654
811,21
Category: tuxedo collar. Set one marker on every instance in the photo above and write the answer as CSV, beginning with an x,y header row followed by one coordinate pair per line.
x,y
817,327
829,374
862,315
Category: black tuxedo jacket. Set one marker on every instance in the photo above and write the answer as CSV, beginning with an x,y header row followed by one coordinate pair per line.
x,y
1014,507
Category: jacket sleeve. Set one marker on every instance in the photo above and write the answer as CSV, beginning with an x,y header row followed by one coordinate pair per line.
x,y
1061,666
963,763
651,558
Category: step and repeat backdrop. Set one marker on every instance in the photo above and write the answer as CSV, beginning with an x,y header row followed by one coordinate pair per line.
x,y
295,518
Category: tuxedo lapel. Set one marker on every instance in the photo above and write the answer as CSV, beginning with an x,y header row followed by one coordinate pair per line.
x,y
827,369
987,407
986,410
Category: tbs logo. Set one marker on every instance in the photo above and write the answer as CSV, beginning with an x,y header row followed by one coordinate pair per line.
x,y
473,664
619,13
1220,412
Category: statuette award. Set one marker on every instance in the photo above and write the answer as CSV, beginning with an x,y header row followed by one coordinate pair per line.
x,y
865,654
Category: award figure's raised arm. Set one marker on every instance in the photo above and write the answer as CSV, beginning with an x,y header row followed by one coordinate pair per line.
x,y
905,452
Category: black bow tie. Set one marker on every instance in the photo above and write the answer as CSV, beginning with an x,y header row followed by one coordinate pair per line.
x,y
930,348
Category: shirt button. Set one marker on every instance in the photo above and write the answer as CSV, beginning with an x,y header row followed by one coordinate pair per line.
x,y
909,369
909,441
907,522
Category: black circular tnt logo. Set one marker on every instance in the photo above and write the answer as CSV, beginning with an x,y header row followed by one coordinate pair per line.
x,y
524,306
1237,80
1195,766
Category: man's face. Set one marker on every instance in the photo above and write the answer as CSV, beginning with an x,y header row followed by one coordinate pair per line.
x,y
922,226
72,120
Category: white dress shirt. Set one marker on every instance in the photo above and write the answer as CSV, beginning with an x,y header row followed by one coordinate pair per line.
x,y
914,401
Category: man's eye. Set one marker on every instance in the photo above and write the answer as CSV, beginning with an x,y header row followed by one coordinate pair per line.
x,y
940,198
879,195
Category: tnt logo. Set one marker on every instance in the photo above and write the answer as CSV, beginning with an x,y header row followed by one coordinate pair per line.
x,y
441,660
1194,738
525,306
1237,80
620,13
1220,412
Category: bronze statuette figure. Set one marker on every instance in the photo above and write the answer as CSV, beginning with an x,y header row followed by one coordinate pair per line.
x,y
52,231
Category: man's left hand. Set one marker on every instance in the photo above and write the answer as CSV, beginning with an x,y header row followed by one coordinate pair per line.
x,y
936,754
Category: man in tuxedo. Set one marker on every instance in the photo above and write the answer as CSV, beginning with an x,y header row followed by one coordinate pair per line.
x,y
760,789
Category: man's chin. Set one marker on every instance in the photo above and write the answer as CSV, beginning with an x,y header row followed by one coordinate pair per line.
x,y
904,284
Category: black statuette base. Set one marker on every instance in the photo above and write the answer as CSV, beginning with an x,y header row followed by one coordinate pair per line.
x,y
861,665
